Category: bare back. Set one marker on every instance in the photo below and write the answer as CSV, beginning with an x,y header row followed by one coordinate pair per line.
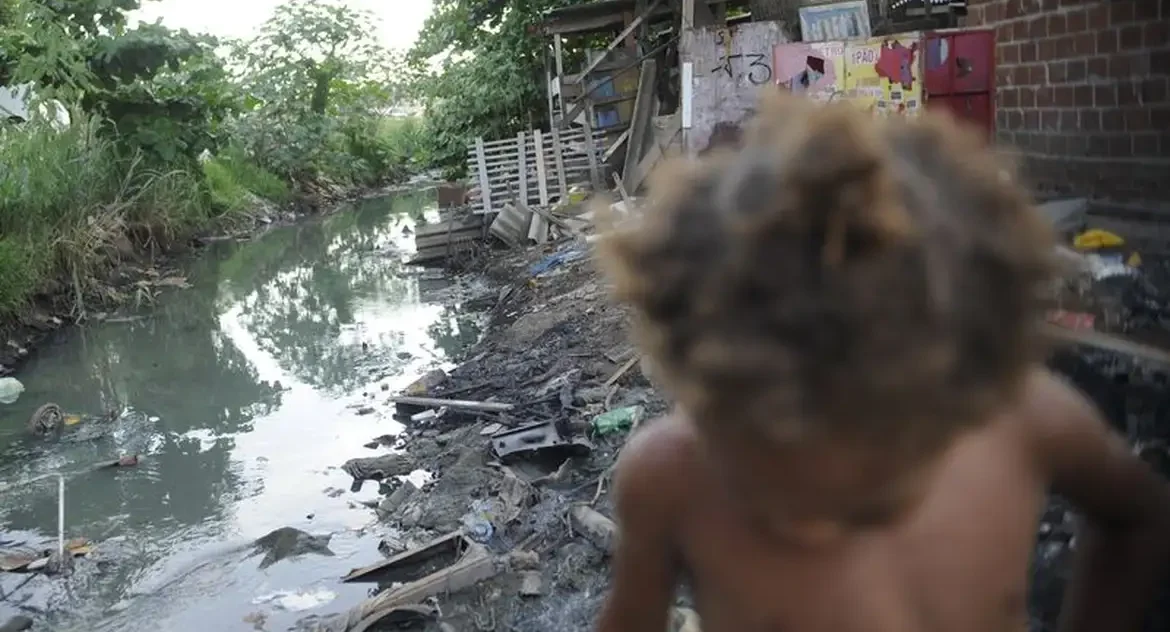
x,y
956,561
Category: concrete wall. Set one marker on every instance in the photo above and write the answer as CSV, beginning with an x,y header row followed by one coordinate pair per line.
x,y
731,65
1083,94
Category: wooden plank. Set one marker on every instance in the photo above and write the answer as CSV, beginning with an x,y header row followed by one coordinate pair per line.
x,y
522,163
617,144
591,155
688,14
687,107
633,25
654,155
541,170
484,184
458,404
559,157
641,123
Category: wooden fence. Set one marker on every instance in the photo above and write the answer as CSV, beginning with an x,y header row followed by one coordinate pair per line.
x,y
535,167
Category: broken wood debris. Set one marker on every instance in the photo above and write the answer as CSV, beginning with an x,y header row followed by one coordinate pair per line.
x,y
453,404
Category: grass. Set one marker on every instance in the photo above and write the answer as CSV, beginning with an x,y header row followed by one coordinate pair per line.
x,y
71,204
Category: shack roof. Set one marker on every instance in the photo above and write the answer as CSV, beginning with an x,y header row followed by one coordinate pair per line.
x,y
604,15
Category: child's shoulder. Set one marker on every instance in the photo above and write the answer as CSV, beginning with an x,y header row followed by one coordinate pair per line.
x,y
659,463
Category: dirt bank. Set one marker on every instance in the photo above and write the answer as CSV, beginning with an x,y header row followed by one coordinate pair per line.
x,y
559,352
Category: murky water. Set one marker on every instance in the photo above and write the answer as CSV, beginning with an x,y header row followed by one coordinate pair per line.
x,y
243,395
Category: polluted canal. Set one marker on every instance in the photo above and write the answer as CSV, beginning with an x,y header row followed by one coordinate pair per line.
x,y
241,395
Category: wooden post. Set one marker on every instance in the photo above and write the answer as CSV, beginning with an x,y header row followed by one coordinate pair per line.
x,y
559,60
688,14
522,165
641,123
541,169
485,189
687,106
559,162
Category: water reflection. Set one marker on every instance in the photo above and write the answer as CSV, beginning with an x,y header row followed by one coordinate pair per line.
x,y
240,394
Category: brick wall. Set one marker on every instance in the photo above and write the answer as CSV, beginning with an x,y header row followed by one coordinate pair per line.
x,y
1083,94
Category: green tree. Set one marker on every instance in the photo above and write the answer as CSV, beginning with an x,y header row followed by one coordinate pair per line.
x,y
492,71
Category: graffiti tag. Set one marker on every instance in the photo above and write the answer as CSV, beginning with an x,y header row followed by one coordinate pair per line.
x,y
759,71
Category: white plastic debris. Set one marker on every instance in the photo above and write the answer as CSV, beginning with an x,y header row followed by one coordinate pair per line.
x,y
10,390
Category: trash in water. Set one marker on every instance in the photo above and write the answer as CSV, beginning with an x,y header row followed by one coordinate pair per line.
x,y
10,390
617,420
297,601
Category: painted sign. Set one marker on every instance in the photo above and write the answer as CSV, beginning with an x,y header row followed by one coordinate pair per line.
x,y
884,74
837,21
816,70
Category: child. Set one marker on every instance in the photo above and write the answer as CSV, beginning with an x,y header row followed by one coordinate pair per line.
x,y
845,311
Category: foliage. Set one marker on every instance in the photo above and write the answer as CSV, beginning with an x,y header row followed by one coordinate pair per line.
x,y
68,200
492,75
317,80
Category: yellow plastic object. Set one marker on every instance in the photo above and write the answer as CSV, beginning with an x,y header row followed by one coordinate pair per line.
x,y
72,420
1134,261
1095,238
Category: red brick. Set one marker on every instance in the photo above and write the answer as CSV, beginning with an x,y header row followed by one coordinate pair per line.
x,y
1160,117
1145,145
1158,33
1045,97
1107,41
1076,21
1077,145
1038,27
1057,145
1003,33
1121,11
1085,44
1112,120
1083,96
1027,97
1137,119
1120,66
1032,119
1077,70
1129,92
1066,47
1009,97
1013,9
1069,121
1057,72
1155,90
1098,67
1105,96
975,15
1027,52
1121,146
1004,76
1098,17
1160,62
1090,120
1147,11
1009,54
1019,30
1046,49
1057,24
1064,97
1014,120
1049,119
1098,145
1130,37
1037,74
1001,117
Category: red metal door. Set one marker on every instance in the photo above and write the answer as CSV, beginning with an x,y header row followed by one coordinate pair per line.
x,y
972,61
973,109
938,74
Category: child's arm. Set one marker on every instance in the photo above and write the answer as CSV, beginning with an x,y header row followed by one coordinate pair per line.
x,y
644,568
1123,545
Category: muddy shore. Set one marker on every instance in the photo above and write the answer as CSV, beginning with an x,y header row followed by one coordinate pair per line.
x,y
558,351
137,272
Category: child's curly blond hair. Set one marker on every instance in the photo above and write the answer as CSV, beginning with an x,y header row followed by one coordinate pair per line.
x,y
837,273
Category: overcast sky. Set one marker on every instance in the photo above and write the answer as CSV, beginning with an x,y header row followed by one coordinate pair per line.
x,y
400,19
